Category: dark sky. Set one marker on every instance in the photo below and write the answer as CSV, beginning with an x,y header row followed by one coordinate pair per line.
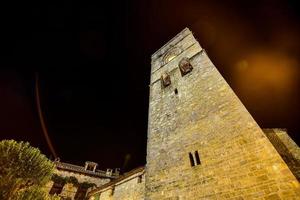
x,y
93,61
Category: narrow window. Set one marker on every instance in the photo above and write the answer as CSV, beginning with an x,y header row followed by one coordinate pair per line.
x,y
139,179
80,193
185,66
176,91
191,160
197,158
112,191
56,188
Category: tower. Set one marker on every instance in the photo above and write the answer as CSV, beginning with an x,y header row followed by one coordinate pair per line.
x,y
202,142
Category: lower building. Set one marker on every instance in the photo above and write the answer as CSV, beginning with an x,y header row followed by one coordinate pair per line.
x,y
129,186
72,182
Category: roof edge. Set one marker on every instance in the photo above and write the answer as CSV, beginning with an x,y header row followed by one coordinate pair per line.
x,y
114,182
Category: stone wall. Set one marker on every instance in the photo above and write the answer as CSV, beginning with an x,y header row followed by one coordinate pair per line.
x,y
82,178
286,147
128,187
69,190
133,189
48,186
200,112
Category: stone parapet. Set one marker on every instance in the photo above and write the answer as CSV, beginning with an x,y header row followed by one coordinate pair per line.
x,y
81,169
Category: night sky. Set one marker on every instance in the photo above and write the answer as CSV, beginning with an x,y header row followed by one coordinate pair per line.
x,y
93,62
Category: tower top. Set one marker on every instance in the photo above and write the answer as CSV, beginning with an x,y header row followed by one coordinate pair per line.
x,y
182,34
165,59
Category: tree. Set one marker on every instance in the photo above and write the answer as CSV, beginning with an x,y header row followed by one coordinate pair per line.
x,y
34,193
24,171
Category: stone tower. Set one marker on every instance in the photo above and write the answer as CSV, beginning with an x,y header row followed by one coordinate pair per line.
x,y
202,142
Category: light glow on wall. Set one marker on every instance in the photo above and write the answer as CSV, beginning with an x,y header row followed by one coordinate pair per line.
x,y
171,58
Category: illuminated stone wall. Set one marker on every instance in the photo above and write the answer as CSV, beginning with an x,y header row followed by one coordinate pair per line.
x,y
69,190
286,147
82,178
48,186
200,112
129,188
105,195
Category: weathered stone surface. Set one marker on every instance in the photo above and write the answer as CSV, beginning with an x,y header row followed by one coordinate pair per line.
x,y
83,178
130,186
69,190
48,186
237,159
286,147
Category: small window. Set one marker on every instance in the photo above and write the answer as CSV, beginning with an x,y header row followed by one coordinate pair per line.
x,y
165,79
176,91
140,179
191,160
197,158
112,191
185,66
56,188
194,159
80,193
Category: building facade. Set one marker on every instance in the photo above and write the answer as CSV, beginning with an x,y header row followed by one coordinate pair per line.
x,y
202,141
72,182
130,186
